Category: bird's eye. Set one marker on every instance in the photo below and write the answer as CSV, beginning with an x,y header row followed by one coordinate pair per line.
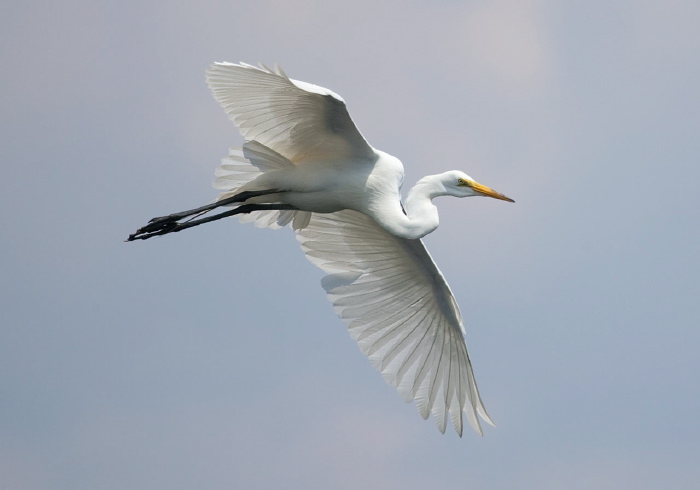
x,y
462,182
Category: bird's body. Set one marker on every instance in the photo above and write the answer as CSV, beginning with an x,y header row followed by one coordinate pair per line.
x,y
327,186
305,163
372,188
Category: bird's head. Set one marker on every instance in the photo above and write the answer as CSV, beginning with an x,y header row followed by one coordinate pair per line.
x,y
459,184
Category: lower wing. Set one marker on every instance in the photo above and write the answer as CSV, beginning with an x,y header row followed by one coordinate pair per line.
x,y
400,310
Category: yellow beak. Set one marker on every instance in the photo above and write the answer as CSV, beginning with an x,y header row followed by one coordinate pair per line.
x,y
487,191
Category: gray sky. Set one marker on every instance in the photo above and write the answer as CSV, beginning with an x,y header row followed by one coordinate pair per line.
x,y
211,358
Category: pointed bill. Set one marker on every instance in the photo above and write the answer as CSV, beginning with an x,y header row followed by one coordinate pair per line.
x,y
487,191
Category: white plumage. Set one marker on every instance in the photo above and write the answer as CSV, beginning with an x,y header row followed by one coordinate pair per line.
x,y
306,164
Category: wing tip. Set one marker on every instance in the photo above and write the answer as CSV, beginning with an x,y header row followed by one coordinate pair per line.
x,y
219,66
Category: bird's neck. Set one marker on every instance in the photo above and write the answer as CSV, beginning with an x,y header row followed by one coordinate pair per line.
x,y
421,215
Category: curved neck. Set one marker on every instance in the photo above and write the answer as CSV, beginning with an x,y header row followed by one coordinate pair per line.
x,y
421,215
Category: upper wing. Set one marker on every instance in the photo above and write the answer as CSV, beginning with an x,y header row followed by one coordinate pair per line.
x,y
400,310
298,120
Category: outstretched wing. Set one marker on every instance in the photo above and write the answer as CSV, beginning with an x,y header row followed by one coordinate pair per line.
x,y
300,121
400,310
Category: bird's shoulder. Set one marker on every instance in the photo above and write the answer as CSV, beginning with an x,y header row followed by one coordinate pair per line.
x,y
387,169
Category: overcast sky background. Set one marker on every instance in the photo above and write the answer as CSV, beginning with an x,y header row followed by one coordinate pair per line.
x,y
211,358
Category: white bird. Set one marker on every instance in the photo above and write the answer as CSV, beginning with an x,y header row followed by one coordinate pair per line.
x,y
305,163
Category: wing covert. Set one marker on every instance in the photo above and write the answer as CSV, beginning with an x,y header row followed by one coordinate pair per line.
x,y
398,307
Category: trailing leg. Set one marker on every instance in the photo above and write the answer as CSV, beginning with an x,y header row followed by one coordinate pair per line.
x,y
162,222
171,224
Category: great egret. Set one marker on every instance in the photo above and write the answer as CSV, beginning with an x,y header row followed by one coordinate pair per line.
x,y
305,163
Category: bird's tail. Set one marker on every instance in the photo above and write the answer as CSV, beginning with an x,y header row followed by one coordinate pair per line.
x,y
241,167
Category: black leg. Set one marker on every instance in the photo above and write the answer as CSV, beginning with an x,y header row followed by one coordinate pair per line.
x,y
242,197
167,225
163,222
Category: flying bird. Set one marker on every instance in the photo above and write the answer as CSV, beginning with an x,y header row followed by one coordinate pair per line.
x,y
305,163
